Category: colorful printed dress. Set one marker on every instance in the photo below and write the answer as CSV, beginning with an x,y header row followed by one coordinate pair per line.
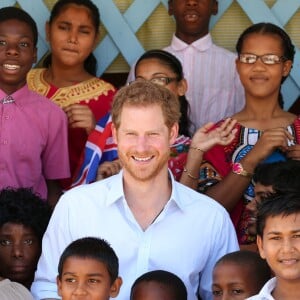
x,y
218,163
96,93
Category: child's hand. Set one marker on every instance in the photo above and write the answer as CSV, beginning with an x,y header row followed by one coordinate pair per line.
x,y
108,168
270,140
80,116
205,137
293,152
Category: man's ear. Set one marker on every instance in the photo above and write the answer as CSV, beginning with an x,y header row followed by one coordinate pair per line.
x,y
173,133
114,133
170,7
115,287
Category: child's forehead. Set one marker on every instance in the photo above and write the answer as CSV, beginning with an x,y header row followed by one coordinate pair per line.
x,y
283,222
14,25
16,228
157,289
84,262
231,266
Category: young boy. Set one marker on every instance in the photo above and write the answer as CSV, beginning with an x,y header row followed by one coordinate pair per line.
x,y
270,178
158,285
33,145
214,88
23,220
88,269
238,275
278,240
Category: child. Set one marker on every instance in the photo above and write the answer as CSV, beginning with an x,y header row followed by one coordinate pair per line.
x,y
23,220
158,285
33,148
214,89
88,269
69,77
264,131
238,275
269,178
278,240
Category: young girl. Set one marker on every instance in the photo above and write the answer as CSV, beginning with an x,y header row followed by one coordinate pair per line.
x,y
69,78
161,68
264,131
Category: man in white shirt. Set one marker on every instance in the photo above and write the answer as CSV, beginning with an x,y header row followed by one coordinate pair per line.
x,y
214,88
151,221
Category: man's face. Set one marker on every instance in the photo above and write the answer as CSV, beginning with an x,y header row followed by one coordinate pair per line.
x,y
192,17
144,142
19,252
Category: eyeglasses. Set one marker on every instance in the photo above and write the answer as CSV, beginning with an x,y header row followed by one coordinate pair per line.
x,y
268,59
162,81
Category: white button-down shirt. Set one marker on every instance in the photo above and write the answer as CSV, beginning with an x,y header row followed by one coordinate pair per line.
x,y
187,238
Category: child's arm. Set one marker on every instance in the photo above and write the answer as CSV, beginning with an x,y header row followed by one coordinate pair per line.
x,y
230,189
54,192
204,139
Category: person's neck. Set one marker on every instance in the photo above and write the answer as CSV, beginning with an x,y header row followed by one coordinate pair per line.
x,y
287,290
65,76
262,110
263,115
146,199
191,38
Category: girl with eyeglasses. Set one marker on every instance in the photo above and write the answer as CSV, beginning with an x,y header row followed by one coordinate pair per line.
x,y
264,131
161,68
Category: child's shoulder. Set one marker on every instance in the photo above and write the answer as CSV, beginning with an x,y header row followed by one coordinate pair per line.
x,y
223,52
42,104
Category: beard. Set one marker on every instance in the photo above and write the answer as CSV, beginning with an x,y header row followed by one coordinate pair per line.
x,y
147,170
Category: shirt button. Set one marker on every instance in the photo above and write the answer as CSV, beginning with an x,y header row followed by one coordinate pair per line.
x,y
5,142
6,117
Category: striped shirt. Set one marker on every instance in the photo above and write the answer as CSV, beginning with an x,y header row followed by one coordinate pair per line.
x,y
214,88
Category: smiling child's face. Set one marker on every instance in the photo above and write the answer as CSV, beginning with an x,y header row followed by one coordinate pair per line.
x,y
17,54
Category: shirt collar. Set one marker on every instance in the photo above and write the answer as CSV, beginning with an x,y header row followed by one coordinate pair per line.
x,y
201,44
116,190
19,96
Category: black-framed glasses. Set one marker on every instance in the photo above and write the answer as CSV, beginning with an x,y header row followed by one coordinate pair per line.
x,y
161,80
268,59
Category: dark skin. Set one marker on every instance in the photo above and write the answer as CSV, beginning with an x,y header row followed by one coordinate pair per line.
x,y
19,252
17,54
262,112
192,18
